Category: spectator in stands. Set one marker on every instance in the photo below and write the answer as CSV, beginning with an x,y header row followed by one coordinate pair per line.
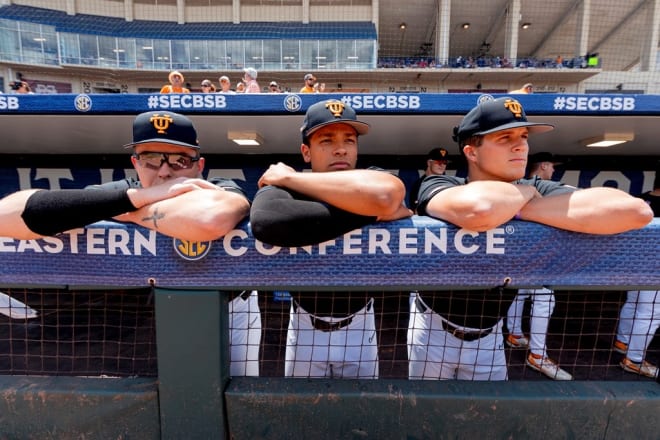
x,y
436,164
225,85
175,85
273,87
524,90
308,87
541,165
330,334
250,78
640,314
207,86
22,88
319,87
170,197
240,87
459,336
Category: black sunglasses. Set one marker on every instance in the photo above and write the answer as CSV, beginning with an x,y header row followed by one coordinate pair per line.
x,y
154,160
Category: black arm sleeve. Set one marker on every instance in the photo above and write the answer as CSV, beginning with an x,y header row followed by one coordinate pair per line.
x,y
50,212
286,219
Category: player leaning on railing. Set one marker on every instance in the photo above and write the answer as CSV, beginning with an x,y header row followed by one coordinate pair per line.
x,y
461,337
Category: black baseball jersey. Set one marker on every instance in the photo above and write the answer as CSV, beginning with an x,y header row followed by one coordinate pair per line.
x,y
475,308
653,201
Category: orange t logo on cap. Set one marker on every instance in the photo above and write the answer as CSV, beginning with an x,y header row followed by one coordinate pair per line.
x,y
336,108
161,123
514,107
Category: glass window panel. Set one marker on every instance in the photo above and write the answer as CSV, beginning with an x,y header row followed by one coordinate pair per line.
x,y
254,55
272,54
235,55
69,48
218,55
180,54
162,54
308,54
327,56
50,45
108,51
199,55
366,53
88,49
290,54
10,47
31,43
144,53
126,53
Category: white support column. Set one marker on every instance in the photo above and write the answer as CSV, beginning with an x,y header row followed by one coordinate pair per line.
x,y
583,23
649,56
181,11
375,10
305,11
443,32
236,11
512,26
128,10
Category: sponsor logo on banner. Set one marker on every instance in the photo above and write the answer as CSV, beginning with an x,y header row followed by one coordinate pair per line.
x,y
187,101
83,103
383,102
595,103
191,250
292,103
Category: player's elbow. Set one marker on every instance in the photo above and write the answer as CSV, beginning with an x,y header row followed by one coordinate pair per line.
x,y
641,214
476,215
389,199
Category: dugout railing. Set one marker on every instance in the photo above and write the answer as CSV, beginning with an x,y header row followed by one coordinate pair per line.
x,y
194,397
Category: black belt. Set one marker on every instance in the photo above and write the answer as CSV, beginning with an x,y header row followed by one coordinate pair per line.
x,y
453,330
326,326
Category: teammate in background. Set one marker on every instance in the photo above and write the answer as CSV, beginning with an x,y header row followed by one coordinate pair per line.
x,y
461,336
170,197
436,164
330,334
524,90
207,86
176,84
308,87
640,314
250,78
225,85
541,165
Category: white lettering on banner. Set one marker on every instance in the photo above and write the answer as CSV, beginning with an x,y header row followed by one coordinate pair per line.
x,y
9,103
263,250
614,179
227,240
53,245
382,102
597,103
407,241
492,240
352,244
463,248
53,175
379,239
191,101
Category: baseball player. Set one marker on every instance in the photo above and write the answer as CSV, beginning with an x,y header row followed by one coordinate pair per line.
x,y
436,163
330,334
543,301
460,336
170,197
640,314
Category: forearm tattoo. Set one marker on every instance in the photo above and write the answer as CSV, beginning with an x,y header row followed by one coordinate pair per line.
x,y
155,217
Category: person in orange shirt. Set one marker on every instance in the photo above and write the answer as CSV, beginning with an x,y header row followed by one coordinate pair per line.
x,y
175,85
309,84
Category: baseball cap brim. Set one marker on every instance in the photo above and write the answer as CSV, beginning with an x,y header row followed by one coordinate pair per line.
x,y
360,127
162,141
534,127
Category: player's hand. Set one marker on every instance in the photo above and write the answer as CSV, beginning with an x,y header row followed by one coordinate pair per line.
x,y
172,188
276,175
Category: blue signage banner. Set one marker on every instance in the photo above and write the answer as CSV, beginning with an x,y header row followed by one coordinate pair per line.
x,y
416,253
281,104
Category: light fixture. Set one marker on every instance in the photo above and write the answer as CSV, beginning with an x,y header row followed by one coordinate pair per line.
x,y
245,138
465,25
402,26
526,25
608,140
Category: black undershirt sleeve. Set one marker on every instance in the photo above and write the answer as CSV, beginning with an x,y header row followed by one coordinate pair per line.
x,y
54,211
288,219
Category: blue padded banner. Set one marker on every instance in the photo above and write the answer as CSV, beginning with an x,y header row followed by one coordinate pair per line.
x,y
282,104
419,252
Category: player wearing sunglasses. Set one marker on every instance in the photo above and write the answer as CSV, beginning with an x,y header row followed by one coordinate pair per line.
x,y
169,196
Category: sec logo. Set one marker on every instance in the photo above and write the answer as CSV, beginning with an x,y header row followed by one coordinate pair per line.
x,y
191,250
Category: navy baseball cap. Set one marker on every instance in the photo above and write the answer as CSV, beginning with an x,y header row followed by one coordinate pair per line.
x,y
439,154
496,115
165,127
330,112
